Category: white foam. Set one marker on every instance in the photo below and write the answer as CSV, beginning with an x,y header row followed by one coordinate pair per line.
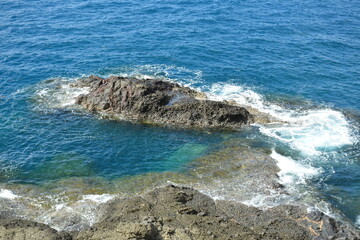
x,y
86,212
240,94
310,131
100,198
294,177
293,172
4,193
58,93
357,221
313,131
59,206
71,93
264,201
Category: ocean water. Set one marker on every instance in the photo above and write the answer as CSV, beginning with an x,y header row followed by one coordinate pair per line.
x,y
295,60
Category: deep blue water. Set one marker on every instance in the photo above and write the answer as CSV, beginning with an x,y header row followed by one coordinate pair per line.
x,y
297,54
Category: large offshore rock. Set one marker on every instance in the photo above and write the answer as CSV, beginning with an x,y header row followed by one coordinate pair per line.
x,y
159,102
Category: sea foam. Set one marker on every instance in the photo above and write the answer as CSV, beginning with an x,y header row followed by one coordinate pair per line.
x,y
291,171
100,198
311,133
308,131
4,193
357,221
73,216
59,93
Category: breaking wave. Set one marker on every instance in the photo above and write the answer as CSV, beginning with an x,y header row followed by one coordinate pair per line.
x,y
311,131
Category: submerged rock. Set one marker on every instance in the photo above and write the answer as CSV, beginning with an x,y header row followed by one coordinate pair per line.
x,y
159,102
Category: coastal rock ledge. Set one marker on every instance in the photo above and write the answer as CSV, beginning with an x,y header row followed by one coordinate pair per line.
x,y
182,213
158,102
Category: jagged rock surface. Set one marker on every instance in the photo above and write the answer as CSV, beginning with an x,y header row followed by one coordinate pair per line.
x,y
159,102
183,213
173,212
18,229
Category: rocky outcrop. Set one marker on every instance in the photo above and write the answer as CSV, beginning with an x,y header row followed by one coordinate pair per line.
x,y
174,212
22,229
159,102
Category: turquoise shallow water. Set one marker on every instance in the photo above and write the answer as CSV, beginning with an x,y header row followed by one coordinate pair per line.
x,y
295,59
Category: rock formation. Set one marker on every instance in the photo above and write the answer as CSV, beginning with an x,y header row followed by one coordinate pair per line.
x,y
16,229
158,102
173,212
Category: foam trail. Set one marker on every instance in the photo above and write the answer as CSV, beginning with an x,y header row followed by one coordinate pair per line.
x,y
4,193
87,212
311,131
292,172
103,198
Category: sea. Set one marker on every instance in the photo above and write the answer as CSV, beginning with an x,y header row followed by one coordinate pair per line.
x,y
298,61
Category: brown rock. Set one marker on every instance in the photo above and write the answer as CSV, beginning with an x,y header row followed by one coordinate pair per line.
x,y
158,102
22,229
155,215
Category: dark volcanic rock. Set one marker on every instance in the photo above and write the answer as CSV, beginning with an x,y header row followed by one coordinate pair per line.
x,y
159,102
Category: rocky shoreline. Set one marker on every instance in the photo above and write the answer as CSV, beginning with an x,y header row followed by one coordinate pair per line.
x,y
178,212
